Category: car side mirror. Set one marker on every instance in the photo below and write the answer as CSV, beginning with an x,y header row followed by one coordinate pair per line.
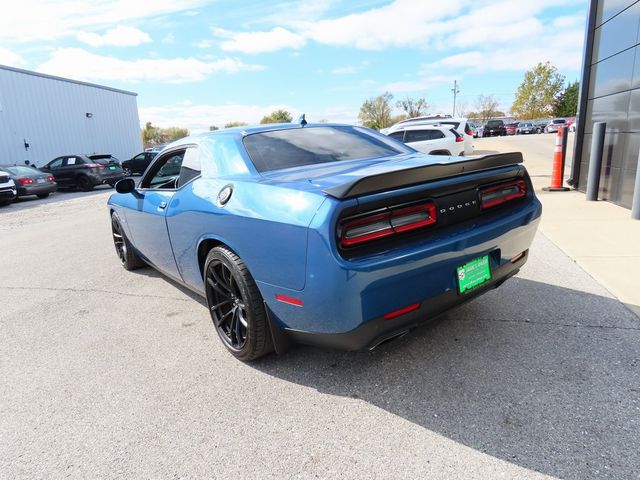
x,y
126,185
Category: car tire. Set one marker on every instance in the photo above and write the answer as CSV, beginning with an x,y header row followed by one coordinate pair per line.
x,y
42,195
127,171
84,183
127,255
236,306
5,202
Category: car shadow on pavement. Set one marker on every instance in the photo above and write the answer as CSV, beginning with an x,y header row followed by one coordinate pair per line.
x,y
541,376
151,272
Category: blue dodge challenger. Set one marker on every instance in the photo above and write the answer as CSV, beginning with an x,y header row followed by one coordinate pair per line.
x,y
324,234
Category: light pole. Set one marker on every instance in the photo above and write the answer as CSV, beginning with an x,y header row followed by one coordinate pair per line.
x,y
455,91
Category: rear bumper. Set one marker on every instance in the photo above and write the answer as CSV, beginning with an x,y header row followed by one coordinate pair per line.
x,y
107,179
344,302
37,189
370,334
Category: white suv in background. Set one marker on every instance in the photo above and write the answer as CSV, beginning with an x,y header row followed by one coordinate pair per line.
x,y
431,139
7,189
460,125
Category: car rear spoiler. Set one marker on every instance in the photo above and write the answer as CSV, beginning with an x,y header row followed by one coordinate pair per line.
x,y
416,175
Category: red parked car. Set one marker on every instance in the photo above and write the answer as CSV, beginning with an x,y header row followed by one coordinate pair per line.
x,y
511,128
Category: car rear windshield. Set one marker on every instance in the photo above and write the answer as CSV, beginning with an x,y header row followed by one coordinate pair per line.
x,y
102,159
19,170
494,123
313,145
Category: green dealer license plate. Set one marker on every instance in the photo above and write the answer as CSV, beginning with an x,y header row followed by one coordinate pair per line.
x,y
112,167
473,274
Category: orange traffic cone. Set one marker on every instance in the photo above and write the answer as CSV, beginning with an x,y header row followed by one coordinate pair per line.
x,y
557,173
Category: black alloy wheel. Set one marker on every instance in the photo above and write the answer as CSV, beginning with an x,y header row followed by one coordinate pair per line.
x,y
127,171
84,183
128,257
236,306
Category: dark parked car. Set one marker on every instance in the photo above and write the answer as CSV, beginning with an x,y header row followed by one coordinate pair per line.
x,y
138,164
325,234
85,171
494,128
525,128
30,181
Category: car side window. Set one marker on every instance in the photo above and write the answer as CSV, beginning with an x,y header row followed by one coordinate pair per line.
x,y
397,135
191,167
57,163
141,156
422,135
165,172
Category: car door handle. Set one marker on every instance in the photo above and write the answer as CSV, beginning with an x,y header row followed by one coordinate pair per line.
x,y
162,205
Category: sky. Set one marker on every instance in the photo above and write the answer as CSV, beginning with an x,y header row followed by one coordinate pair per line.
x,y
196,63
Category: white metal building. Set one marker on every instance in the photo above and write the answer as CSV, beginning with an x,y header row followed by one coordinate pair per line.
x,y
43,117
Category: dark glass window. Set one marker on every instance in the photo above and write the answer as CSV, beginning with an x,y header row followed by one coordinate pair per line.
x,y
165,174
190,167
397,135
315,145
57,163
422,135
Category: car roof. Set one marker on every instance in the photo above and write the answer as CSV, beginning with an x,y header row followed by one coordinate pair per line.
x,y
432,126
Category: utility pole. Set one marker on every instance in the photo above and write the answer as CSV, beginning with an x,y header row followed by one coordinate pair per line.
x,y
455,91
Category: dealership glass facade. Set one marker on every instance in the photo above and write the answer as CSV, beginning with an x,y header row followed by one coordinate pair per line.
x,y
611,93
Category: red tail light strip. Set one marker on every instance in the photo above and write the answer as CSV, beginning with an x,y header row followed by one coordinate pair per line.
x,y
390,222
499,194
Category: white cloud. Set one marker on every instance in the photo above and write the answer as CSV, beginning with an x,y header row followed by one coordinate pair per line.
x,y
33,20
401,23
120,36
421,84
259,42
9,58
350,69
66,61
198,118
168,39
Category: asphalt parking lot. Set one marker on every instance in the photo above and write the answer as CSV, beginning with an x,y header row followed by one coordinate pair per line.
x,y
112,374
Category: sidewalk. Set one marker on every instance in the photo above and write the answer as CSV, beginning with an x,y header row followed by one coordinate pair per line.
x,y
600,236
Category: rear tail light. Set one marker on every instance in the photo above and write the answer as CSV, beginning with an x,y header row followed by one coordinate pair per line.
x,y
384,224
51,178
459,139
468,131
94,165
25,181
499,194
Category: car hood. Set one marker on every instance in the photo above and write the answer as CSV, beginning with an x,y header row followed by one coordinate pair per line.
x,y
324,176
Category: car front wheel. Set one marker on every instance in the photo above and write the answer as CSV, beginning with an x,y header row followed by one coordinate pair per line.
x,y
236,306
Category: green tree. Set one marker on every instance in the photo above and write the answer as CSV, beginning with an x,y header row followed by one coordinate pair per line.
x,y
567,103
413,107
487,106
277,116
149,134
172,134
212,128
235,124
537,94
376,112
